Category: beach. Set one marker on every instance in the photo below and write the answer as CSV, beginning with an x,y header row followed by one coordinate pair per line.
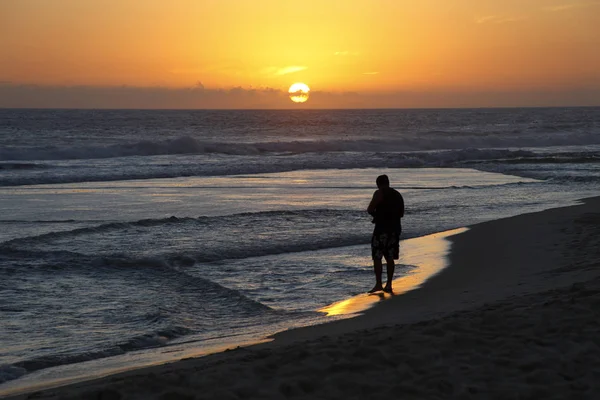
x,y
513,316
195,199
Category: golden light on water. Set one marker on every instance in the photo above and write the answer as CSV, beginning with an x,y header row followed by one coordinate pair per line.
x,y
299,92
427,255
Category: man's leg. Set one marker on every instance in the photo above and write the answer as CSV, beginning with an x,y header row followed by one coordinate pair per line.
x,y
392,253
391,266
378,267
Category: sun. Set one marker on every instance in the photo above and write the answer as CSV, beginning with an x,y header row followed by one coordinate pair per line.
x,y
299,92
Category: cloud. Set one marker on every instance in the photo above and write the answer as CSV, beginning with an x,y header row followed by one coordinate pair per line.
x,y
199,97
290,70
278,71
498,19
565,7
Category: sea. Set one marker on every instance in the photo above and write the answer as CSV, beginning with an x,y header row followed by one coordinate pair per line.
x,y
136,237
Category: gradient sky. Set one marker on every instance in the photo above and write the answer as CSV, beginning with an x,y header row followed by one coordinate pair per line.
x,y
229,53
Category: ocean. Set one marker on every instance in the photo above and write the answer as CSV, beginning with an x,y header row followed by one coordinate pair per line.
x,y
135,237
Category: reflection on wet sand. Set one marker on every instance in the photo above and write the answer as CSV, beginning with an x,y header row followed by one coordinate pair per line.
x,y
428,256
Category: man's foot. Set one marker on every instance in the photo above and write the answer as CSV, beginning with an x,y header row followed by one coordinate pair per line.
x,y
377,288
388,289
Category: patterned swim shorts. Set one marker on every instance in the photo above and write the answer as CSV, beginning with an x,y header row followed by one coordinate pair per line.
x,y
385,245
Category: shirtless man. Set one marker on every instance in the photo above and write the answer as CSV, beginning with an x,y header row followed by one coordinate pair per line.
x,y
387,208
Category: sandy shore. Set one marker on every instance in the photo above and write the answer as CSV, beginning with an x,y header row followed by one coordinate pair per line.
x,y
515,316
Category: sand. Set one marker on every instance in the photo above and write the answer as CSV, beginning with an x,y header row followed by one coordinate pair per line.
x,y
516,315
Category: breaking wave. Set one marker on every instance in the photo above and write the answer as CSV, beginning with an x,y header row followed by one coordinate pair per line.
x,y
194,165
190,145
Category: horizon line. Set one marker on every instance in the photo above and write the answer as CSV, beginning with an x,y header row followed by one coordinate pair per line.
x,y
297,109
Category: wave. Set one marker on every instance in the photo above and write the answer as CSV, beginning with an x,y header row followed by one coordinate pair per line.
x,y
21,166
559,158
576,179
162,322
202,239
11,372
464,158
42,221
423,141
65,260
130,169
181,145
147,341
112,226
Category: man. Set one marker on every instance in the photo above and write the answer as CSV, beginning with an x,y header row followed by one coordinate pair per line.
x,y
387,208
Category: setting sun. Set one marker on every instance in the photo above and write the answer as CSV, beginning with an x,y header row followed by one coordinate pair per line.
x,y
246,54
299,92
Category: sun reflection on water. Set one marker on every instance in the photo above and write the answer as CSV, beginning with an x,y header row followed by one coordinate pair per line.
x,y
427,254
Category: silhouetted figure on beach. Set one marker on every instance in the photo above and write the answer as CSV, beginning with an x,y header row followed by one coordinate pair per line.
x,y
387,208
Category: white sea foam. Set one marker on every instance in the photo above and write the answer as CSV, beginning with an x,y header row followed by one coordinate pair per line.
x,y
191,145
128,168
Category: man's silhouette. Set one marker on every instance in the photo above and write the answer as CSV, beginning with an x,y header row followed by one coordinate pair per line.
x,y
387,208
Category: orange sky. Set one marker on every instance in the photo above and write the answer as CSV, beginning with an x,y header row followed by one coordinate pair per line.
x,y
364,46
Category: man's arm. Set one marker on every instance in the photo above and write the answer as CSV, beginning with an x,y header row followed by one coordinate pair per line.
x,y
374,202
401,206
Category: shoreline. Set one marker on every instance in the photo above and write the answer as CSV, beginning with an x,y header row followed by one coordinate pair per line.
x,y
512,258
458,287
428,252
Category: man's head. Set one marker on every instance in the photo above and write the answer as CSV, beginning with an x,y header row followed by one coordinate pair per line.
x,y
383,181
